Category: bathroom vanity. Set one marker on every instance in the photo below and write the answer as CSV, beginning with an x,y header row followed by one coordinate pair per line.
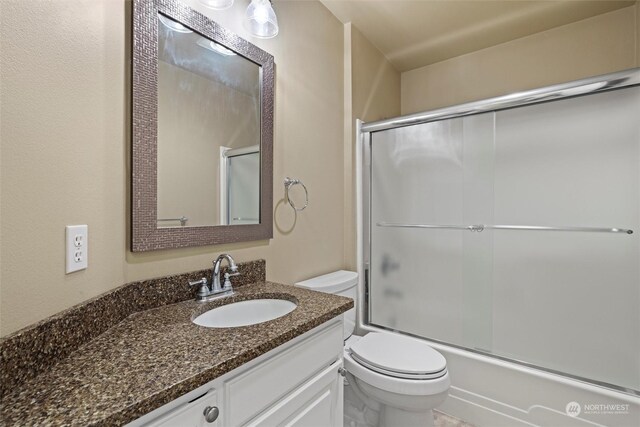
x,y
135,356
297,384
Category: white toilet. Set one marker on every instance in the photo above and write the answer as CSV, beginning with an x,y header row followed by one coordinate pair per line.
x,y
395,380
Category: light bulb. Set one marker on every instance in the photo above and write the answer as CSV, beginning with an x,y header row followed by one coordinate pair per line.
x,y
262,15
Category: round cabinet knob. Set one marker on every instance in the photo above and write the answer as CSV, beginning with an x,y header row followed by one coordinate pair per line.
x,y
211,413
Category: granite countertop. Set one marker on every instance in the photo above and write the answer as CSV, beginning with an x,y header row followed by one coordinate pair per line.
x,y
155,356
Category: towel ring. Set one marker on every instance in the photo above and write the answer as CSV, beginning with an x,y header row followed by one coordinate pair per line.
x,y
290,182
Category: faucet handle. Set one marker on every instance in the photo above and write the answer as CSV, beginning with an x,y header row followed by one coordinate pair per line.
x,y
203,287
201,282
227,282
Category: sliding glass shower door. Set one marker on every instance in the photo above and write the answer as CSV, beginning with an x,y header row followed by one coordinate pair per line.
x,y
508,233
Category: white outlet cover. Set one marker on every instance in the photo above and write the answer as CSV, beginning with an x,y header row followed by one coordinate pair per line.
x,y
76,247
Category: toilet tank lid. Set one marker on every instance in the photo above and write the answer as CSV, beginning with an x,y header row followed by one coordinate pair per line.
x,y
337,281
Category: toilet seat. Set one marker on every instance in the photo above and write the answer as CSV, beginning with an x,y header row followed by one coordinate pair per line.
x,y
397,364
399,356
395,374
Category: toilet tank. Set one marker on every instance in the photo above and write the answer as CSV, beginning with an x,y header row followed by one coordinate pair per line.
x,y
341,283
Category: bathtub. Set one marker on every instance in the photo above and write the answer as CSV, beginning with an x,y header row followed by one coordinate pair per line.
x,y
490,392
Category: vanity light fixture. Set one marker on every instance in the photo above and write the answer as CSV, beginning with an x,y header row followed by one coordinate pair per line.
x,y
261,20
217,4
173,25
214,47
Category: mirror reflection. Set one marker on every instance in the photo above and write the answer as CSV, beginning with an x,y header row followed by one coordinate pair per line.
x,y
208,131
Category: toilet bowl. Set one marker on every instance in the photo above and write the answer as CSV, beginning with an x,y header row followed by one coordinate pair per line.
x,y
394,380
401,377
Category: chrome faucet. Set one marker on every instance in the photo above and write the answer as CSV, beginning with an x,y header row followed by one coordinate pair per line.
x,y
216,273
208,292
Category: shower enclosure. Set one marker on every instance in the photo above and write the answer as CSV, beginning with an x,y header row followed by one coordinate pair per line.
x,y
509,228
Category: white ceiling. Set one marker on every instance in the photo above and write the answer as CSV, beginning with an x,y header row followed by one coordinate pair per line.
x,y
412,34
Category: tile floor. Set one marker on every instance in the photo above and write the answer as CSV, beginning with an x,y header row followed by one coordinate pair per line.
x,y
444,420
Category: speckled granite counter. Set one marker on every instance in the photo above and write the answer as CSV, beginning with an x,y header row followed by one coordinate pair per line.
x,y
152,357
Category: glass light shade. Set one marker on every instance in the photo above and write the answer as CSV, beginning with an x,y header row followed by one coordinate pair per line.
x,y
217,4
261,19
173,25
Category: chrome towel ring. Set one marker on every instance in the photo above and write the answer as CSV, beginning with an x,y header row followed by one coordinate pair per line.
x,y
290,182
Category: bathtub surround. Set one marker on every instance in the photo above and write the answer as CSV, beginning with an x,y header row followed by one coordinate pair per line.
x,y
100,383
31,351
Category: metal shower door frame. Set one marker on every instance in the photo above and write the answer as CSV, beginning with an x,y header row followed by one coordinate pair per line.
x,y
364,134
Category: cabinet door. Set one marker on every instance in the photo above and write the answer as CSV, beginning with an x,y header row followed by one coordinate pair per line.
x,y
317,403
251,393
190,414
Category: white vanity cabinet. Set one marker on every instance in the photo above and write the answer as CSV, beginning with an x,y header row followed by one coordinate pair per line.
x,y
296,384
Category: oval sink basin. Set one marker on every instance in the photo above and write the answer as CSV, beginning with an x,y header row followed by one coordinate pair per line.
x,y
245,313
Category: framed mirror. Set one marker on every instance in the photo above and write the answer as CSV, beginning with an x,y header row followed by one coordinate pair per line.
x,y
202,131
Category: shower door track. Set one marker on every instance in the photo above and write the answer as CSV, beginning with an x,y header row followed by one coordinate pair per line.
x,y
588,86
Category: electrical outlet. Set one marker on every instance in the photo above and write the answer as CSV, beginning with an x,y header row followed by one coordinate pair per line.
x,y
76,237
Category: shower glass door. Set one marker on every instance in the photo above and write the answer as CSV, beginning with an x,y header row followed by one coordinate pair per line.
x,y
448,260
243,189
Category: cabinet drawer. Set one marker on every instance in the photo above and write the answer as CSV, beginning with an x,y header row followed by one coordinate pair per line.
x,y
253,391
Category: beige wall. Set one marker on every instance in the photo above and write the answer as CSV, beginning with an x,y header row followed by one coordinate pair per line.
x,y
376,83
373,93
638,33
65,144
597,45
